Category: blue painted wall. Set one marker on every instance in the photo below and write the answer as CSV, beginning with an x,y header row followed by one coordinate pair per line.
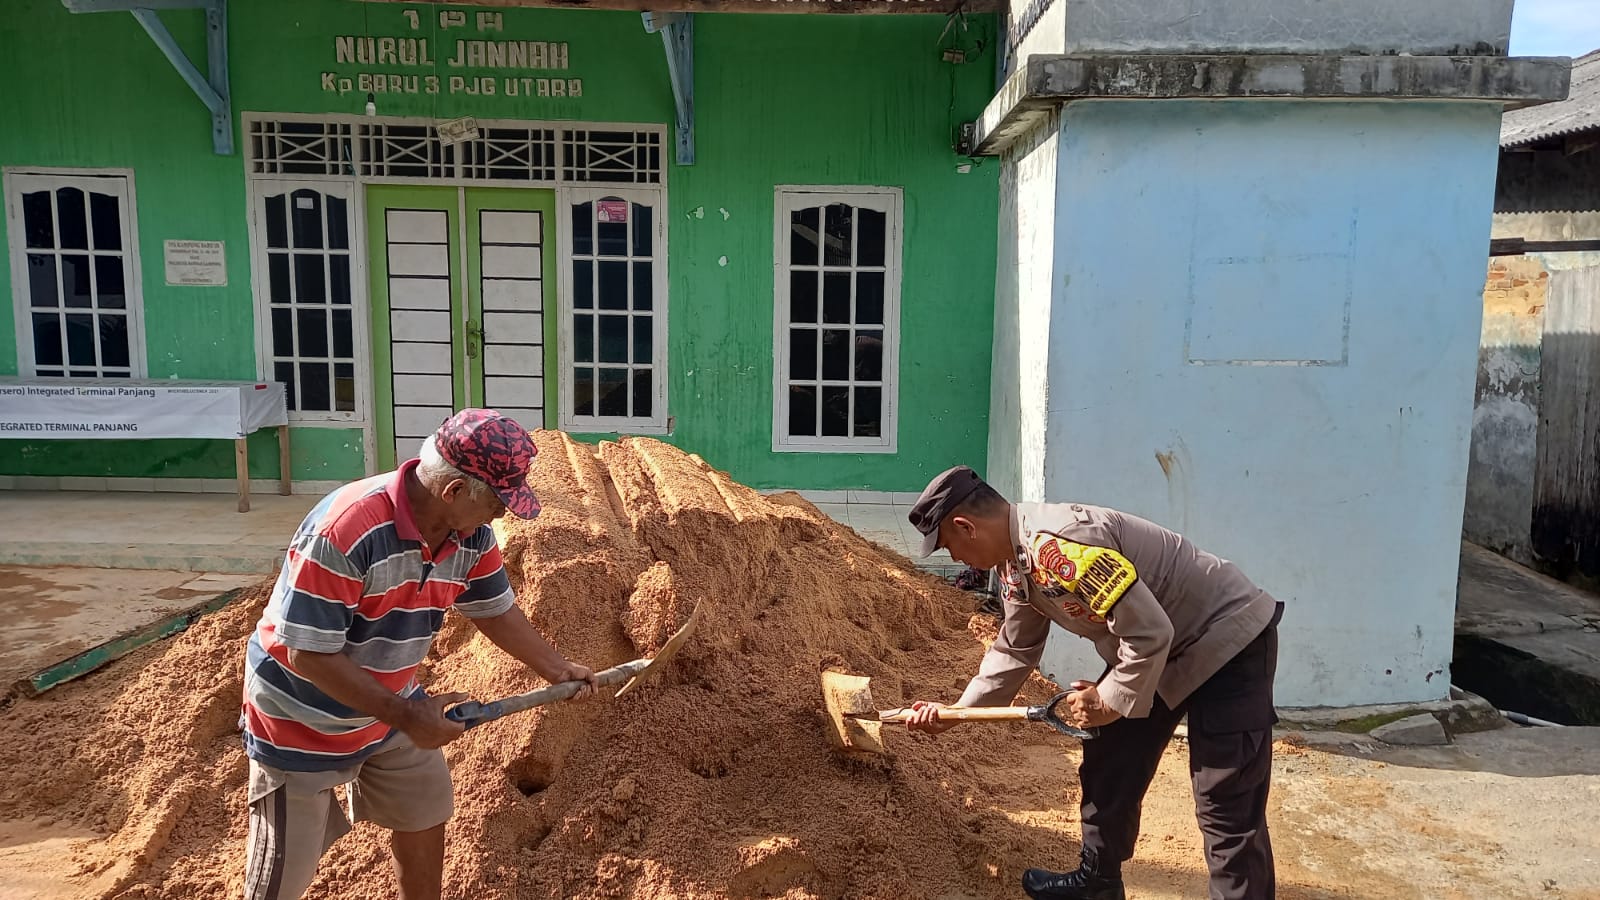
x,y
1264,333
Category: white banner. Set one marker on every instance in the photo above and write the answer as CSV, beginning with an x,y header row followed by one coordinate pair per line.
x,y
58,408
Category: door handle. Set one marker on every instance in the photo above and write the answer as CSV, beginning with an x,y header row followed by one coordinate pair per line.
x,y
474,338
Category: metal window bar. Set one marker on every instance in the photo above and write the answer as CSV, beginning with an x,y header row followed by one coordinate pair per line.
x,y
628,258
97,316
521,154
94,279
850,393
616,157
854,326
292,232
325,253
405,151
63,313
300,148
61,281
536,152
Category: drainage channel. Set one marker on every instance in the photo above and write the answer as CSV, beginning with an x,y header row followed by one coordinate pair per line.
x,y
1546,679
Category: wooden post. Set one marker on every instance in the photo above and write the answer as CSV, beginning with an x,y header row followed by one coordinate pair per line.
x,y
241,459
283,460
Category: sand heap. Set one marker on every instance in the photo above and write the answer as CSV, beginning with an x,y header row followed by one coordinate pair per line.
x,y
715,781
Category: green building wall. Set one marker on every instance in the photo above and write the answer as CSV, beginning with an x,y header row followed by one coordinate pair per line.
x,y
780,99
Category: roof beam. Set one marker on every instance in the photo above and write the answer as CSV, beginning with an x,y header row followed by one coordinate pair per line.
x,y
94,6
1579,143
833,7
677,37
1520,246
212,87
169,47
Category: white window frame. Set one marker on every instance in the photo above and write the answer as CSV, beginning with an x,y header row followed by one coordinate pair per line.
x,y
656,199
347,189
458,177
891,202
14,180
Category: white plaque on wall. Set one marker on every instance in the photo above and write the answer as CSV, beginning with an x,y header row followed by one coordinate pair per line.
x,y
196,263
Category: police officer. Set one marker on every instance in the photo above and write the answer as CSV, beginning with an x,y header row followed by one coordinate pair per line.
x,y
1181,632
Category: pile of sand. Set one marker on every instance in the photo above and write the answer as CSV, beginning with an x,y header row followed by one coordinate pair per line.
x,y
715,781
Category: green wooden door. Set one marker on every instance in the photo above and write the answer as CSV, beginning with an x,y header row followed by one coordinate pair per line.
x,y
458,319
511,266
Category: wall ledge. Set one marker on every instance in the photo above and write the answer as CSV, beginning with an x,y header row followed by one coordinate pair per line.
x,y
1044,82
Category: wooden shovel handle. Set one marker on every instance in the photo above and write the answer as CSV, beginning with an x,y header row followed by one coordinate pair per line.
x,y
473,713
962,714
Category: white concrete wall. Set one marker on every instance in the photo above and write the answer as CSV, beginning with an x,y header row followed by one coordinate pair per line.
x,y
1505,421
1562,225
1048,33
1265,334
1476,27
1420,27
1025,262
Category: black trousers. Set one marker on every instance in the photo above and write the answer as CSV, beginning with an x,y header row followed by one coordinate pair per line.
x,y
1230,766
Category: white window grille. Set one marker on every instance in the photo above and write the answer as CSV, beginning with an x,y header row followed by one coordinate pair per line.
x,y
405,151
511,154
75,273
299,148
616,157
614,323
305,296
392,148
836,322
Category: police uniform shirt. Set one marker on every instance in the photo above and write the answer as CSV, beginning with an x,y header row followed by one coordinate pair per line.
x,y
1163,614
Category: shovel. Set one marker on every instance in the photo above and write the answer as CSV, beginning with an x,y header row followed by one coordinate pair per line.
x,y
856,724
634,672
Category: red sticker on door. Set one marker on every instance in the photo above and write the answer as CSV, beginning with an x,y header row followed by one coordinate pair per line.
x,y
612,211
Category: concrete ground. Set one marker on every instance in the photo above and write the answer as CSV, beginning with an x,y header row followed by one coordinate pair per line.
x,y
78,569
1526,642
175,532
53,614
1496,814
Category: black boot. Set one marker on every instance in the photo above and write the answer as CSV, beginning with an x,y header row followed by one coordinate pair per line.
x,y
1088,883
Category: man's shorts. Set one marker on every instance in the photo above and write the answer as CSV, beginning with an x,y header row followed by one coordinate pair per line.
x,y
295,817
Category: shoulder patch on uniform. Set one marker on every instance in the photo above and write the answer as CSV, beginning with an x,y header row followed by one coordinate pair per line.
x,y
1099,575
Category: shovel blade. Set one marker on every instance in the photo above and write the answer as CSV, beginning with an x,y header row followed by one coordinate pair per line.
x,y
845,698
673,645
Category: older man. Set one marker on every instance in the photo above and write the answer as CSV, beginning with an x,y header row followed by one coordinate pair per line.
x,y
330,690
1181,632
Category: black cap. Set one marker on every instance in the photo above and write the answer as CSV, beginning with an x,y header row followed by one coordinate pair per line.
x,y
942,495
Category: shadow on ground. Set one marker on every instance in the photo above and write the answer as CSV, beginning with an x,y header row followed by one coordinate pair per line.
x,y
1513,751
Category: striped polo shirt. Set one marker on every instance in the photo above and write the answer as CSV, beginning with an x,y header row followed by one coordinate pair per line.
x,y
358,580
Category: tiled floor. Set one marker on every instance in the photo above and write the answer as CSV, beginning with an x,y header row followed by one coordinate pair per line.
x,y
886,524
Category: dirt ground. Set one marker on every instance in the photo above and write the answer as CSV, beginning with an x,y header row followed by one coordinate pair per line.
x,y
53,613
717,781
1507,814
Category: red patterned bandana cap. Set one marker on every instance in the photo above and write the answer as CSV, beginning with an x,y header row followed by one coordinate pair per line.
x,y
495,450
